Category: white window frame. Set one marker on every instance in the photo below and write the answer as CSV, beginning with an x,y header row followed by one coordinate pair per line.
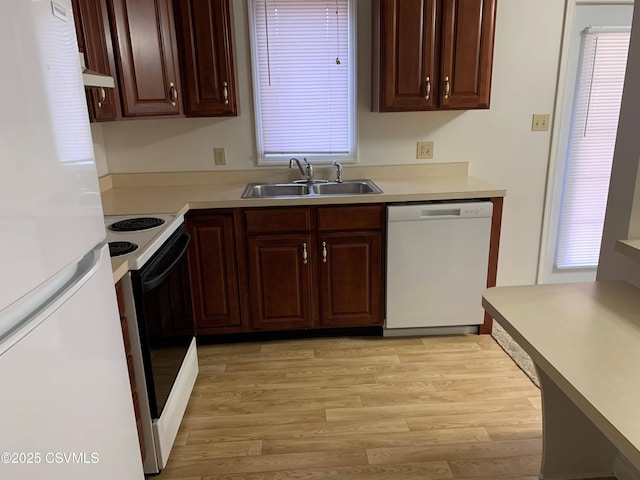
x,y
280,159
604,13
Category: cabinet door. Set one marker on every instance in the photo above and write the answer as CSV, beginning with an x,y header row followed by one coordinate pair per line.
x,y
351,290
206,52
132,376
214,275
404,55
147,60
280,281
467,53
94,40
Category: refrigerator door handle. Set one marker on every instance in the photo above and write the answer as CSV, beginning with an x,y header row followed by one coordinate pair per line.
x,y
21,317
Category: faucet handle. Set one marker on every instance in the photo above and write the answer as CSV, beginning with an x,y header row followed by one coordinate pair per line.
x,y
336,164
309,168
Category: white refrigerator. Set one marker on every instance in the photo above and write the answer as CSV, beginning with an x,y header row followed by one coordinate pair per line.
x,y
65,401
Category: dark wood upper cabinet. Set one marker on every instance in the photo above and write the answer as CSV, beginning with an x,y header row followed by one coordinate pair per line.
x,y
146,55
95,43
405,55
467,52
204,32
432,54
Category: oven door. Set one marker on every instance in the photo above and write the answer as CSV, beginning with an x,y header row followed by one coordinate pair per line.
x,y
165,317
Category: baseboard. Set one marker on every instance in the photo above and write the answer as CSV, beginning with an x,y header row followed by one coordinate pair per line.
x,y
426,331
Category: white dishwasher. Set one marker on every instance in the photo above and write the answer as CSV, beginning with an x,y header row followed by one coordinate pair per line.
x,y
437,259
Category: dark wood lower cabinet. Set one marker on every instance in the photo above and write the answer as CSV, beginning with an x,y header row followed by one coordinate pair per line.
x,y
286,268
280,281
351,289
132,375
214,273
321,267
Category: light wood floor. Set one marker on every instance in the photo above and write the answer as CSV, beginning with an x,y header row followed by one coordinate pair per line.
x,y
359,408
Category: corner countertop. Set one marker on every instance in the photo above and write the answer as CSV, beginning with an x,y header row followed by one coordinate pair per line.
x,y
629,247
177,193
585,337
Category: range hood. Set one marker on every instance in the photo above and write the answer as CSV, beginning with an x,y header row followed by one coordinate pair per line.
x,y
95,79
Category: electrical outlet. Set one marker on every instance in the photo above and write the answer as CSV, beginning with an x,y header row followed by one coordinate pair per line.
x,y
540,122
425,150
219,156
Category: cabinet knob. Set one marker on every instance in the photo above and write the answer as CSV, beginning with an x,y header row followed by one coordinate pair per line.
x,y
102,95
324,252
427,88
447,88
225,92
173,93
304,253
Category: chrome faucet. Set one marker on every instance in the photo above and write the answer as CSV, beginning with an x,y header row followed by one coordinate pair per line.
x,y
338,171
306,172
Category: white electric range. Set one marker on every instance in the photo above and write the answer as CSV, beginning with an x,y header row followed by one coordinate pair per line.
x,y
159,316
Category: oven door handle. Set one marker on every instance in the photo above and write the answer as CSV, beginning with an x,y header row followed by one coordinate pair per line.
x,y
157,280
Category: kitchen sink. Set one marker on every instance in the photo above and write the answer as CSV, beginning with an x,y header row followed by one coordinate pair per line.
x,y
353,187
348,187
262,190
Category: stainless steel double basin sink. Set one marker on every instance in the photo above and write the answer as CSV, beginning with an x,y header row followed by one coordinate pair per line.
x,y
313,188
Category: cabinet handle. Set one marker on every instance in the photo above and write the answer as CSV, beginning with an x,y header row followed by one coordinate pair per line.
x,y
225,93
173,93
447,88
427,88
324,252
304,253
102,95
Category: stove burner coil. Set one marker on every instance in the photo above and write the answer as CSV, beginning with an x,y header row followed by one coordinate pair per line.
x,y
136,224
121,248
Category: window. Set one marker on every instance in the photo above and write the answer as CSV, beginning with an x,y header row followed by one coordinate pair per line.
x,y
591,144
585,128
304,79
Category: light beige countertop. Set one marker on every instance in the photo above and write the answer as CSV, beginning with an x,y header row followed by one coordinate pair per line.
x,y
120,267
178,193
585,337
630,247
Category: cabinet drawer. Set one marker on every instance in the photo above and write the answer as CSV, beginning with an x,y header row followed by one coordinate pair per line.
x,y
277,220
356,217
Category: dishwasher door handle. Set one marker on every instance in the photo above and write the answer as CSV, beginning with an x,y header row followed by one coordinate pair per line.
x,y
445,212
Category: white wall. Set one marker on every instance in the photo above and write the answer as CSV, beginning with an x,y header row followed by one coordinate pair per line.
x,y
623,207
99,149
497,143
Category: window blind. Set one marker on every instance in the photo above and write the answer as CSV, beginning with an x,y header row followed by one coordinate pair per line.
x,y
302,68
591,145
